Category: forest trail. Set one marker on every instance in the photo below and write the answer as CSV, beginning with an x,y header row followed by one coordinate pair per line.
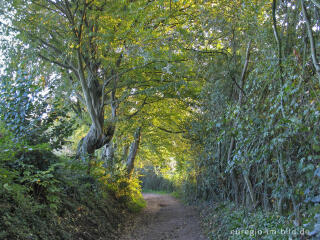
x,y
165,218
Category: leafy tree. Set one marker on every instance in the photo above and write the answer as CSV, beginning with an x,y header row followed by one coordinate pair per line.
x,y
31,112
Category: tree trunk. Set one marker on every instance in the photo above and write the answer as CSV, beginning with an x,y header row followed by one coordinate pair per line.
x,y
133,151
234,181
107,155
94,97
285,180
266,204
250,189
125,152
94,140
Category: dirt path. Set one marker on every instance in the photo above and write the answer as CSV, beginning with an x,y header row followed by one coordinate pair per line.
x,y
165,218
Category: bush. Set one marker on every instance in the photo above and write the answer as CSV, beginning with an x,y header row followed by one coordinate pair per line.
x,y
50,198
155,181
228,221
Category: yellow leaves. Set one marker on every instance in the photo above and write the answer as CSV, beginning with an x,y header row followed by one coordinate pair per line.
x,y
110,21
74,46
43,81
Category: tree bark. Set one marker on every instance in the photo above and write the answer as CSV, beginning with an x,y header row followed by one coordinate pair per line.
x,y
107,155
125,152
266,204
233,140
94,140
250,189
311,39
133,151
277,37
234,181
317,4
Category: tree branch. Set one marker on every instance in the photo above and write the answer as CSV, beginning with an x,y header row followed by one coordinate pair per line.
x,y
86,93
237,84
81,99
169,131
207,52
107,81
244,71
133,151
49,45
316,3
311,39
140,108
278,40
55,62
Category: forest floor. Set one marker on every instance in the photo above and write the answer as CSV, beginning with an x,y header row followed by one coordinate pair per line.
x,y
164,218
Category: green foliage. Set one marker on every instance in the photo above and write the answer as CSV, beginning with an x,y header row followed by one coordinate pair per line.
x,y
46,197
31,112
227,221
155,191
20,101
253,130
229,108
151,180
127,190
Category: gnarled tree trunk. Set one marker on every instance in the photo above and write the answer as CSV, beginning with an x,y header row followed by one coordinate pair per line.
x,y
93,141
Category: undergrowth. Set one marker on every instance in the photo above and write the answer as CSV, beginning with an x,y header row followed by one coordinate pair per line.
x,y
155,181
50,198
227,221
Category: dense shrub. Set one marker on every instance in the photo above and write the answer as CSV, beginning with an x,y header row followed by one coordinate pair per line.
x,y
46,197
151,180
227,221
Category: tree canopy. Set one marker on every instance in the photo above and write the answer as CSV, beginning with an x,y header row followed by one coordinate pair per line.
x,y
220,96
